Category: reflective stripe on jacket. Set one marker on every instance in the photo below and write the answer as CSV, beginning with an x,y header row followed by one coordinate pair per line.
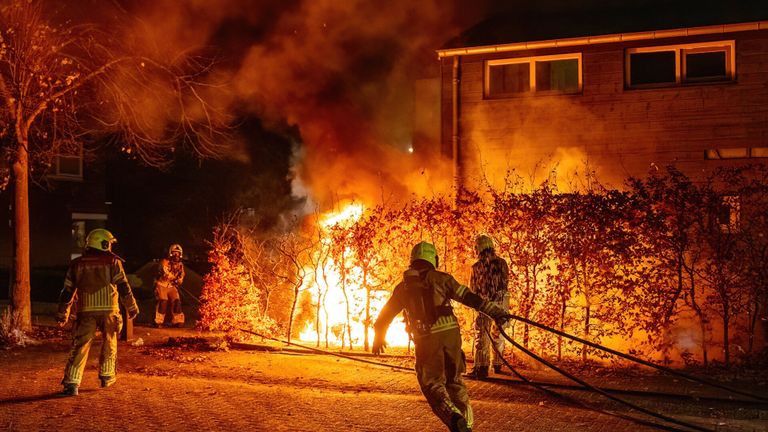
x,y
93,278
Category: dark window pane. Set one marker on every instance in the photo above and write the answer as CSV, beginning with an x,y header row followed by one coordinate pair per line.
x,y
69,166
558,75
509,78
705,66
652,68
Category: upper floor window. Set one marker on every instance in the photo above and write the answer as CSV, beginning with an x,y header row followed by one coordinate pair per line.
x,y
68,165
557,74
680,64
736,153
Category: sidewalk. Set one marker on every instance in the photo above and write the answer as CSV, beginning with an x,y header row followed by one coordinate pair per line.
x,y
188,388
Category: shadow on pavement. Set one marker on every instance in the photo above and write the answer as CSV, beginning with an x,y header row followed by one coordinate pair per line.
x,y
25,399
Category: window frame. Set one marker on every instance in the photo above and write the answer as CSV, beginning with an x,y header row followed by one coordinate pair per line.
x,y
681,50
732,202
531,61
58,175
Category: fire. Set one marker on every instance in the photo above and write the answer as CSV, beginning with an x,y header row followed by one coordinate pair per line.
x,y
349,214
333,309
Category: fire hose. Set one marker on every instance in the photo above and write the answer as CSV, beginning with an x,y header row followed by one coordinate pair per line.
x,y
633,358
592,388
327,352
523,378
583,383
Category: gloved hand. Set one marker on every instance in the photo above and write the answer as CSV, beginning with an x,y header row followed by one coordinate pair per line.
x,y
378,344
132,311
502,320
62,318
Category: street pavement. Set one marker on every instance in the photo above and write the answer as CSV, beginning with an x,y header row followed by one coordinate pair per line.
x,y
186,387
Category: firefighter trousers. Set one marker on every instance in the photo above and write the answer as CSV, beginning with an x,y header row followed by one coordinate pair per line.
x,y
439,366
109,323
483,344
167,296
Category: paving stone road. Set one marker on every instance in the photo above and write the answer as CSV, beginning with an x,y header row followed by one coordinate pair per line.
x,y
182,389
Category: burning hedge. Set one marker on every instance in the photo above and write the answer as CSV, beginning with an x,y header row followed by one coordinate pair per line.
x,y
667,267
230,300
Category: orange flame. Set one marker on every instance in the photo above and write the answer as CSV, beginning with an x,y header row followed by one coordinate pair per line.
x,y
334,307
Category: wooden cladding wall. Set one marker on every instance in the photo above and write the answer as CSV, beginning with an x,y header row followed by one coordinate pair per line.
x,y
619,131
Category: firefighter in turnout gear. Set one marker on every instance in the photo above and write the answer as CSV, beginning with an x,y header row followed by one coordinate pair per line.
x,y
425,294
170,275
97,282
490,276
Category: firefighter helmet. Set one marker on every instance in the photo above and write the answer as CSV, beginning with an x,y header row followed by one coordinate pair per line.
x,y
424,251
483,242
175,248
100,239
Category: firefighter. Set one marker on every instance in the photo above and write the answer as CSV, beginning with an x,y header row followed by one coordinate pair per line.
x,y
490,275
170,275
426,295
97,282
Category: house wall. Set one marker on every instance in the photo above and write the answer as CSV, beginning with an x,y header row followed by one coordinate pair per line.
x,y
618,132
50,226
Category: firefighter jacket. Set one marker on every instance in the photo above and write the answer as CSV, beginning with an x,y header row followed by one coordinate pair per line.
x,y
444,288
170,273
490,277
97,281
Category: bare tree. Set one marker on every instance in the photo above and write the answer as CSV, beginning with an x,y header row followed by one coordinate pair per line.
x,y
294,248
63,86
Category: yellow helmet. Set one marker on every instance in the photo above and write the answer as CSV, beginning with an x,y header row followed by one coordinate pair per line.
x,y
424,251
175,248
100,239
483,242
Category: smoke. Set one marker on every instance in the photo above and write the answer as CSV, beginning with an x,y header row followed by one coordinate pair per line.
x,y
343,72
340,73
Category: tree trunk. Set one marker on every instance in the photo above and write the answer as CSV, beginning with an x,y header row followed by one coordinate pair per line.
x,y
21,305
753,325
702,321
562,328
726,344
704,350
367,320
317,312
586,333
325,314
268,293
293,309
346,302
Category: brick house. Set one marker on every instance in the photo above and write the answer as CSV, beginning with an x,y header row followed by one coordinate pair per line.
x,y
622,102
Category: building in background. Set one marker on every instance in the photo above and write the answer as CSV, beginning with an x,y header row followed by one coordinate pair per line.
x,y
622,99
64,206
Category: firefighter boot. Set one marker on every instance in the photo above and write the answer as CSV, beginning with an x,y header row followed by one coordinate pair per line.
x,y
479,372
107,381
459,423
69,390
497,369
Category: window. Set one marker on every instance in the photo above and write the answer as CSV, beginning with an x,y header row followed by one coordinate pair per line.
x,y
69,165
736,153
729,214
559,74
653,68
680,64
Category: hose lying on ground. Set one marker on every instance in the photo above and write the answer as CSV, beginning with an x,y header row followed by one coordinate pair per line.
x,y
596,390
636,359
